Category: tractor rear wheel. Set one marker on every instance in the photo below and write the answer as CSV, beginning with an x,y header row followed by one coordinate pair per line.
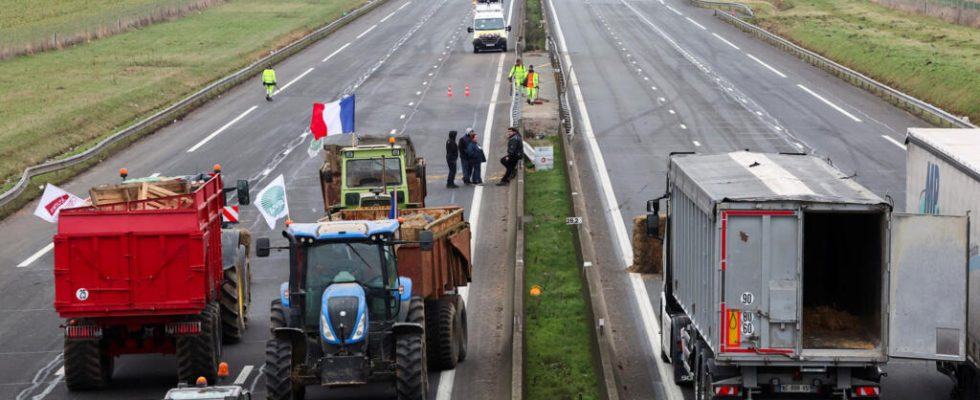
x,y
86,366
234,304
277,315
447,335
199,355
277,370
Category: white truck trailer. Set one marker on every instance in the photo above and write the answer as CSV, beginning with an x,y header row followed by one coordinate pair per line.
x,y
943,177
784,277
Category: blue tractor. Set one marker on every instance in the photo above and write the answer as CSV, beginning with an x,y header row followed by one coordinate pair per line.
x,y
346,317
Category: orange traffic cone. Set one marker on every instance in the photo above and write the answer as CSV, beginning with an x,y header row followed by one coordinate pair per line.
x,y
467,92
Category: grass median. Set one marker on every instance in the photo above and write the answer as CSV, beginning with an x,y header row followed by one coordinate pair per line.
x,y
926,57
534,32
59,102
558,348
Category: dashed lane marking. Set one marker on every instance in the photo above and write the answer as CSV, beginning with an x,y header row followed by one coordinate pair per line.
x,y
726,41
36,255
696,24
776,71
895,142
296,79
829,103
335,52
366,31
222,129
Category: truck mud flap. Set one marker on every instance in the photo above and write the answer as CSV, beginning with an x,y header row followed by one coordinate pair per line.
x,y
297,339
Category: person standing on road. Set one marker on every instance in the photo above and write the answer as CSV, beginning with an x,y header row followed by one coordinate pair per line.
x,y
517,74
476,158
464,158
514,156
269,80
531,83
452,153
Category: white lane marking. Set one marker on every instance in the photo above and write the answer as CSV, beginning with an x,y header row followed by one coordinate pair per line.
x,y
827,102
895,142
447,379
781,75
222,129
404,5
40,377
726,41
255,380
402,116
675,11
293,81
696,143
683,126
647,316
695,23
798,145
335,52
386,18
154,175
37,255
243,376
393,131
671,111
775,177
60,371
366,32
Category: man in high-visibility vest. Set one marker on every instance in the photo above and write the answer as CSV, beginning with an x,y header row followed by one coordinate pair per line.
x,y
531,83
517,73
269,80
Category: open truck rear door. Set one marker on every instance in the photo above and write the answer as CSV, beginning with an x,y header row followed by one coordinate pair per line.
x,y
927,306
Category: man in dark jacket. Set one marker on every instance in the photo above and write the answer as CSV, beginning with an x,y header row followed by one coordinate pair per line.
x,y
476,157
515,145
452,153
464,160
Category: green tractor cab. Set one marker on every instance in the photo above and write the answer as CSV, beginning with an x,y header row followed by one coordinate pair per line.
x,y
368,174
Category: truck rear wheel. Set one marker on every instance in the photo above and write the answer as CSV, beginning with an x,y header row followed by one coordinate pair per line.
x,y
234,304
463,333
447,336
198,355
86,367
411,371
278,367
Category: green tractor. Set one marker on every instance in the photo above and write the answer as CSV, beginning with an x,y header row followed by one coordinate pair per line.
x,y
354,309
366,174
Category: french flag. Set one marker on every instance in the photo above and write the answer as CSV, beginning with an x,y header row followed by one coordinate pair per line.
x,y
333,118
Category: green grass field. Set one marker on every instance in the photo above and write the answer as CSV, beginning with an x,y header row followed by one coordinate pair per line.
x,y
926,57
558,343
52,103
534,33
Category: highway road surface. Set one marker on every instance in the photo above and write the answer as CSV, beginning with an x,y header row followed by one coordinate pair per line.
x,y
651,77
399,60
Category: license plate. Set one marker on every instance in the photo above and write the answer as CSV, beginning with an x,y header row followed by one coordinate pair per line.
x,y
797,389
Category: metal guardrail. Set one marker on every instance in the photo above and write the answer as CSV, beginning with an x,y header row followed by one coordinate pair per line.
x,y
918,107
732,6
567,122
182,107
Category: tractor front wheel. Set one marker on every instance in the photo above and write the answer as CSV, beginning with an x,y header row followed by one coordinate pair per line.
x,y
278,367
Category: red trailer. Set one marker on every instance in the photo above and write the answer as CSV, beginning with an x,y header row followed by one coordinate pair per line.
x,y
148,269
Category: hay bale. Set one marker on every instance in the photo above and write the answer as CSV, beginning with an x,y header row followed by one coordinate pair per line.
x,y
826,327
647,251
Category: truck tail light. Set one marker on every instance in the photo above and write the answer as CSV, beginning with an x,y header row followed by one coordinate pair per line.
x,y
728,390
184,328
83,332
866,391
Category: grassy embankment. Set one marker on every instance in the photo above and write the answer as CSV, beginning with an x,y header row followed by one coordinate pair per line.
x,y
534,32
59,102
558,343
926,57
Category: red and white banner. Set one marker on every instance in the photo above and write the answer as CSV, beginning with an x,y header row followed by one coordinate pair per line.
x,y
230,214
53,201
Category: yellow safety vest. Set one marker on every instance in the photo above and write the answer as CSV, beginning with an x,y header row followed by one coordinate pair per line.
x,y
269,76
518,72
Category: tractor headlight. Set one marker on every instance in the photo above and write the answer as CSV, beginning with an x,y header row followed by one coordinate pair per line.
x,y
360,329
325,329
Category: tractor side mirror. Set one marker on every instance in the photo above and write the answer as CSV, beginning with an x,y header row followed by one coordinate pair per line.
x,y
326,176
508,28
262,247
425,240
653,217
469,29
244,198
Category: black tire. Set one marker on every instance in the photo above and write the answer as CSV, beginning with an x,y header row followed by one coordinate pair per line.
x,y
703,382
278,367
86,367
677,355
233,318
447,335
463,329
431,330
411,371
199,355
277,315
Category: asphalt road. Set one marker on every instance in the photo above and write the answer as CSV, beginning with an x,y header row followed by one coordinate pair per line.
x,y
659,76
400,58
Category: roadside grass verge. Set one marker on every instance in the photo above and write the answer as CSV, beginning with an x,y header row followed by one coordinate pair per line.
x,y
31,26
926,57
558,348
56,103
534,33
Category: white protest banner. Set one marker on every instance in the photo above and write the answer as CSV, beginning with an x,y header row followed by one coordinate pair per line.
x,y
53,201
271,201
